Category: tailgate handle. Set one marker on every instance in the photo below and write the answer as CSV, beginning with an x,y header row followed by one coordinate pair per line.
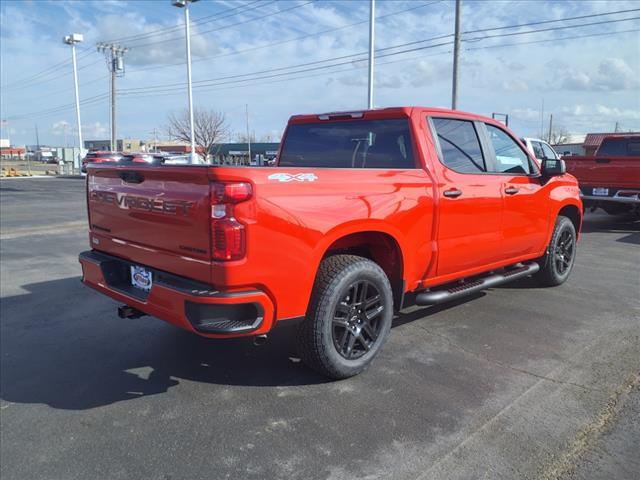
x,y
131,177
603,160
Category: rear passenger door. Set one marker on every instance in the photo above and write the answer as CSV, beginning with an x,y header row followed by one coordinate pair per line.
x,y
526,205
470,199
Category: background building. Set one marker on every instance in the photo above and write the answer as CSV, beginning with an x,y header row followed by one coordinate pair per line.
x,y
124,145
238,153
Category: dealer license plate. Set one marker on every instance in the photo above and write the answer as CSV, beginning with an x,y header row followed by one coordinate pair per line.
x,y
601,191
141,278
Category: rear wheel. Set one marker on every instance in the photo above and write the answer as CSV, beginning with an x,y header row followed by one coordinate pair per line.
x,y
557,264
349,316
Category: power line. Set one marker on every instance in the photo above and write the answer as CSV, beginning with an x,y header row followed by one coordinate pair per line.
x,y
552,29
282,42
60,108
271,70
318,62
255,82
173,39
197,21
566,19
38,79
93,100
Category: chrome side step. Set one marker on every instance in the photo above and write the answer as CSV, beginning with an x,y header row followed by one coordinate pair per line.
x,y
434,297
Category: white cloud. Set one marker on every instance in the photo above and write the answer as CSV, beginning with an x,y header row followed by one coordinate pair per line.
x,y
613,74
95,130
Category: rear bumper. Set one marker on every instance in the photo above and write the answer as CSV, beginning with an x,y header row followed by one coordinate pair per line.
x,y
185,303
629,196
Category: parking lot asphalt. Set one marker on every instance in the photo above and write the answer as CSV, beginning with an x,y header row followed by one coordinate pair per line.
x,y
517,382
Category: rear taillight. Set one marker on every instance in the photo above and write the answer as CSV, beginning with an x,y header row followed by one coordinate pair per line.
x,y
228,235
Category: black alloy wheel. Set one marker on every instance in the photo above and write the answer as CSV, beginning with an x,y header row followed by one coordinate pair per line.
x,y
564,252
357,320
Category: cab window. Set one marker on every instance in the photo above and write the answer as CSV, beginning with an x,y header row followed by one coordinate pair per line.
x,y
510,158
549,152
537,149
459,145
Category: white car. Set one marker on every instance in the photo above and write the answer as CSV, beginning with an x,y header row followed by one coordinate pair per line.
x,y
540,149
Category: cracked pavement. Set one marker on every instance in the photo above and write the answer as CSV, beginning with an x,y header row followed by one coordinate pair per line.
x,y
518,382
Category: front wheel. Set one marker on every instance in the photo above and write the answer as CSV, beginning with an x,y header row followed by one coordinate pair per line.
x,y
349,316
557,264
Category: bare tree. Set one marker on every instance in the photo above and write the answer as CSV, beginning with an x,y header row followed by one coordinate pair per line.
x,y
558,135
210,127
267,137
243,138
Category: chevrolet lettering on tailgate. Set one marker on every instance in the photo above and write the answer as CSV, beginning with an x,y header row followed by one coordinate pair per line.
x,y
171,207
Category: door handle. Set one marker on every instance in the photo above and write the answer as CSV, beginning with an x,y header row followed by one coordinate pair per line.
x,y
452,193
511,190
603,160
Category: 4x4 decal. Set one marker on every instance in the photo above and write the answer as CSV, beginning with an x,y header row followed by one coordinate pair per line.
x,y
295,177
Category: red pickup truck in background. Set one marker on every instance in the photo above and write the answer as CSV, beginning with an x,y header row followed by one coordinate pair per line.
x,y
610,179
365,212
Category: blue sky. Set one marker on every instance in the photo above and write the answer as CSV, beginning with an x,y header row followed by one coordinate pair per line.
x,y
587,76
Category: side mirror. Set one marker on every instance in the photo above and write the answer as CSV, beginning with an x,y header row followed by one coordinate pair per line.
x,y
553,168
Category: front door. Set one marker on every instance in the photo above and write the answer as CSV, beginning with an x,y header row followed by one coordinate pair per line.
x,y
470,205
526,206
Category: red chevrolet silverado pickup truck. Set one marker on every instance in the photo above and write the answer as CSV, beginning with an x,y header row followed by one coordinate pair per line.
x,y
364,213
610,179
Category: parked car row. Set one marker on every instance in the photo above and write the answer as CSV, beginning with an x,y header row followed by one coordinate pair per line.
x,y
98,157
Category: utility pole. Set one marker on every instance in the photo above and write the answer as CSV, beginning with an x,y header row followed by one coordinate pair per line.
x,y
550,126
456,56
72,40
37,139
372,38
616,129
155,140
115,62
246,108
542,120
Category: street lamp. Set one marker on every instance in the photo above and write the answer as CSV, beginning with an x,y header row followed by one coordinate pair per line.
x,y
185,4
72,40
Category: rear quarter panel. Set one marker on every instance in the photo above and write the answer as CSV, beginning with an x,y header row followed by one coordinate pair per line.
x,y
291,224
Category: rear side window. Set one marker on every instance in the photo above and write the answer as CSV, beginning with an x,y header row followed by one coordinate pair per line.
x,y
620,147
510,158
459,145
616,147
349,144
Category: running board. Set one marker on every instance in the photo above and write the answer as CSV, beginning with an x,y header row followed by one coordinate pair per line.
x,y
434,297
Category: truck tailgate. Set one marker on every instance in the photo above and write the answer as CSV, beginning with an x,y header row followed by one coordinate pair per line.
x,y
618,172
163,211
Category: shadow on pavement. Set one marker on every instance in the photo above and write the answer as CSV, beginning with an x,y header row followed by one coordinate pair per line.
x,y
80,355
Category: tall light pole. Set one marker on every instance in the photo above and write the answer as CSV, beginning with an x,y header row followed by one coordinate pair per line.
x,y
72,40
187,32
456,55
372,23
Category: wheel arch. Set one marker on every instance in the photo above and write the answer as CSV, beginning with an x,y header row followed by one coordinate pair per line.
x,y
573,213
378,246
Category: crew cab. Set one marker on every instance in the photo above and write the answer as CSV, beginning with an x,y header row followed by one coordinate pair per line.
x,y
611,178
364,213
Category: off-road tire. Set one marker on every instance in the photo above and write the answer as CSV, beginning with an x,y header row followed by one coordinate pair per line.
x,y
550,274
337,276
